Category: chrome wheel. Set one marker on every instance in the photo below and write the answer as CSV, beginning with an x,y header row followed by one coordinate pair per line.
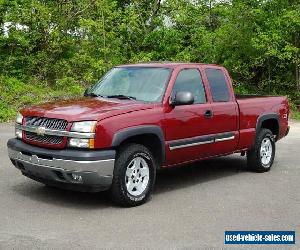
x,y
266,151
137,176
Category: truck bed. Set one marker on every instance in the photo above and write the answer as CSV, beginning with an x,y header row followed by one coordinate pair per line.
x,y
253,106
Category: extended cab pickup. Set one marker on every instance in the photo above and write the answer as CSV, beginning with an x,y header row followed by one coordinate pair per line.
x,y
140,118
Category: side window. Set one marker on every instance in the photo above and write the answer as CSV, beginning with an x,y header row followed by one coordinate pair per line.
x,y
190,80
218,85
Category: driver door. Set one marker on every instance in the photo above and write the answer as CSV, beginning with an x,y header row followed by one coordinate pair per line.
x,y
189,127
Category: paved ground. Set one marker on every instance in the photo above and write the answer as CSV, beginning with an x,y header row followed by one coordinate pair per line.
x,y
191,207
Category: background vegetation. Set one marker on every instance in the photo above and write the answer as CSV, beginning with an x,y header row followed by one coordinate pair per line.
x,y
54,49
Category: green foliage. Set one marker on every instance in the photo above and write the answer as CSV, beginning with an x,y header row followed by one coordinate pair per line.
x,y
55,49
295,115
16,94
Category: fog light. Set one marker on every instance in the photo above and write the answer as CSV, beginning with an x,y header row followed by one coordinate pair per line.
x,y
76,177
18,133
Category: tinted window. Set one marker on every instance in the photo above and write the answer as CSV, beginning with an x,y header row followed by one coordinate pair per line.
x,y
218,85
190,80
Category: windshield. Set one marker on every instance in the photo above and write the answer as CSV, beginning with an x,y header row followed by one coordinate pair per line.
x,y
139,83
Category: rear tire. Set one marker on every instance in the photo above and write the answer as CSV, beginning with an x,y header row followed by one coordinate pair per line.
x,y
134,175
260,158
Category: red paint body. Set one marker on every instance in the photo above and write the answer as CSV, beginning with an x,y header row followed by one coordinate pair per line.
x,y
238,115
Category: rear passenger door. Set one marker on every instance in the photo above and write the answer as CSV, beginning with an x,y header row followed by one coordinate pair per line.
x,y
224,120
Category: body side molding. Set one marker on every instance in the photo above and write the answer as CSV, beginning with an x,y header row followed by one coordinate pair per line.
x,y
200,140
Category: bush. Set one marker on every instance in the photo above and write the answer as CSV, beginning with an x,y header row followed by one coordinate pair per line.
x,y
16,94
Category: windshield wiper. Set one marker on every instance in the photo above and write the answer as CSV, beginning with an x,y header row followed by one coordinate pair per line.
x,y
122,97
112,96
94,95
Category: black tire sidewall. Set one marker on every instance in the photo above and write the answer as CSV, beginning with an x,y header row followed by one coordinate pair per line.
x,y
143,195
269,135
125,157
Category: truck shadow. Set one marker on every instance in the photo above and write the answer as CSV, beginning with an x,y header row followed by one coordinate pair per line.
x,y
62,198
198,172
168,180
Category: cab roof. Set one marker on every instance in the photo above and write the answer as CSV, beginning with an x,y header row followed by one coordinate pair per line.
x,y
162,64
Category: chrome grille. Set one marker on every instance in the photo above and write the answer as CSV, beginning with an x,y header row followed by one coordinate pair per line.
x,y
50,123
46,139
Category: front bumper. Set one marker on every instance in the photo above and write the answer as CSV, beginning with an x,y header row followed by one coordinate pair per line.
x,y
79,170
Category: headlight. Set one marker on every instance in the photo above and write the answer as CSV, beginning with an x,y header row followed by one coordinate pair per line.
x,y
18,133
19,118
81,143
84,127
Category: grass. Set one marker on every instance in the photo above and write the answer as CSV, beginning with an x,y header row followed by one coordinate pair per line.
x,y
295,115
15,94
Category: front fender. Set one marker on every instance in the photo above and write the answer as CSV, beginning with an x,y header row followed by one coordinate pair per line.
x,y
126,133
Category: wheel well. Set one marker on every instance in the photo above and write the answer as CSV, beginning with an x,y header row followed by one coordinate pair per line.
x,y
271,124
151,141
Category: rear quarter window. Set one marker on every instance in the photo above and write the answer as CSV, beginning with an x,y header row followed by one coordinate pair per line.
x,y
218,85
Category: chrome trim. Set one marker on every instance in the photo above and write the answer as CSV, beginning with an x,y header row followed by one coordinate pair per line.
x,y
214,138
57,132
191,144
225,139
102,167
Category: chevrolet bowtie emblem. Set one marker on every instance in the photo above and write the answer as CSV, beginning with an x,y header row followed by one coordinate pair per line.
x,y
41,130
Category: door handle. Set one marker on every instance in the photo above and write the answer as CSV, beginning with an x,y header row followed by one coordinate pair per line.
x,y
208,114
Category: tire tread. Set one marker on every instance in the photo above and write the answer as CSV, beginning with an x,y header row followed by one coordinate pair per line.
x,y
253,155
117,190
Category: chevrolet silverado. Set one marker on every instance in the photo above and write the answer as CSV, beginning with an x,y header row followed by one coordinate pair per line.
x,y
140,118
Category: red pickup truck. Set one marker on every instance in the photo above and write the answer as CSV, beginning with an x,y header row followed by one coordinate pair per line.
x,y
140,118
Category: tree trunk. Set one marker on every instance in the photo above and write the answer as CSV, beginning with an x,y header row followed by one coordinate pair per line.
x,y
104,36
297,77
297,68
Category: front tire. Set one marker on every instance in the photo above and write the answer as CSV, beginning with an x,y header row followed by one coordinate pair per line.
x,y
134,175
260,158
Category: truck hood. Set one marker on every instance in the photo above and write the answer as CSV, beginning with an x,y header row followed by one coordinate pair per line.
x,y
87,108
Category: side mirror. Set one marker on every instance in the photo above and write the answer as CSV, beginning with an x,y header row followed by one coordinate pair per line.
x,y
87,91
182,98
